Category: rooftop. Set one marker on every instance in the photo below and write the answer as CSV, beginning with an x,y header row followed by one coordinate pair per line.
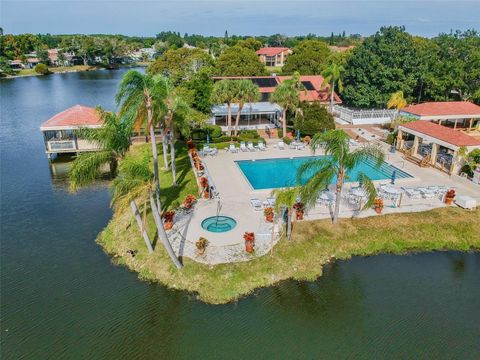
x,y
440,108
442,133
271,51
75,116
312,83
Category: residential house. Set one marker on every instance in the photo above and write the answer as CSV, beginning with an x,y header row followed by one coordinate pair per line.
x,y
273,56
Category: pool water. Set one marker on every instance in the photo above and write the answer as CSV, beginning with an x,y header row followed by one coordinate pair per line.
x,y
218,224
279,173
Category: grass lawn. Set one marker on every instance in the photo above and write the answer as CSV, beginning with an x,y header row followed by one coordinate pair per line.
x,y
274,69
313,244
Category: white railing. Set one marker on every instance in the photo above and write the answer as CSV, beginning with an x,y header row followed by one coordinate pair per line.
x,y
367,116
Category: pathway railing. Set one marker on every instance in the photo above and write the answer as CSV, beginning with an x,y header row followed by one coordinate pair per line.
x,y
367,116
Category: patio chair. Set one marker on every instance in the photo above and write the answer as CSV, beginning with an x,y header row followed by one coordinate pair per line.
x,y
300,146
261,146
213,151
242,146
412,193
232,148
250,146
256,204
281,145
426,193
271,201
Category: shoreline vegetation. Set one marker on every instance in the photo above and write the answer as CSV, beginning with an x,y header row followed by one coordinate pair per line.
x,y
313,244
68,69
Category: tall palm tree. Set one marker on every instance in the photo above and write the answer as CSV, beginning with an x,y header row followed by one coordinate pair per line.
x,y
224,93
113,139
286,198
245,92
140,97
338,162
332,75
135,181
397,101
287,96
177,113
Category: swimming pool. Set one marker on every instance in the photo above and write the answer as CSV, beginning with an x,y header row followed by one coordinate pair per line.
x,y
279,173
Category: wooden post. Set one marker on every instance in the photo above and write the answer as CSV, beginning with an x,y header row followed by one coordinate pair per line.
x,y
415,145
470,125
455,126
140,225
433,158
399,139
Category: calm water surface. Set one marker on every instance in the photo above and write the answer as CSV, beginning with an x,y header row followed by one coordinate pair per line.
x,y
61,298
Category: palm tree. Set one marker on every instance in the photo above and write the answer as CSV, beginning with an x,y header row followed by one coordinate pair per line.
x,y
286,198
135,181
224,93
140,97
113,139
397,101
338,162
245,92
332,75
287,96
176,116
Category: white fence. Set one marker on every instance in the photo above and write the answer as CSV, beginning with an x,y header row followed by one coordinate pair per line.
x,y
363,117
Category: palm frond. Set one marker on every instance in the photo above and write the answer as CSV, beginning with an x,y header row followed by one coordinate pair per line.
x,y
87,167
368,187
285,197
373,152
316,184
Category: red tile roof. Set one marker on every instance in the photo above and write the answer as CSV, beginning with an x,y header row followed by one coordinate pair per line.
x,y
443,108
443,133
320,93
77,115
271,51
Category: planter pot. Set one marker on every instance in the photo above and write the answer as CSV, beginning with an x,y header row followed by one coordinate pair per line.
x,y
168,225
207,195
378,210
449,200
249,245
299,215
269,218
200,252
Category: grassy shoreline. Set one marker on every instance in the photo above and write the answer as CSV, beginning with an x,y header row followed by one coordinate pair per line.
x,y
313,245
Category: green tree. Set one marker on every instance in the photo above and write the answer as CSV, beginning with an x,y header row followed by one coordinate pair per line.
x,y
180,65
41,69
245,92
339,161
287,96
141,98
313,118
286,199
5,68
199,89
42,54
309,57
386,62
333,75
224,92
250,43
239,61
113,139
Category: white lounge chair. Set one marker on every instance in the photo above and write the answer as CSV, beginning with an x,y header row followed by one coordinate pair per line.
x,y
232,148
281,145
412,193
256,204
213,151
243,147
261,146
426,193
250,146
271,201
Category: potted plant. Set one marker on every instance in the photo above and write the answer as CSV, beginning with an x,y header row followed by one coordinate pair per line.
x,y
268,212
299,210
204,182
168,219
450,196
201,245
249,242
190,144
378,205
189,201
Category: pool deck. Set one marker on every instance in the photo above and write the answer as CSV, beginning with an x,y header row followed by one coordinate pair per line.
x,y
235,194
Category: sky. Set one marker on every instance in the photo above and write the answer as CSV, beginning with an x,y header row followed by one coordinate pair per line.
x,y
240,17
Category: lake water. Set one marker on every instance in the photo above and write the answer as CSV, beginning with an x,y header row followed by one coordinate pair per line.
x,y
61,298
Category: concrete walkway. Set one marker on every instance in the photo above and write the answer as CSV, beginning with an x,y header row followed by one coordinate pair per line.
x,y
235,193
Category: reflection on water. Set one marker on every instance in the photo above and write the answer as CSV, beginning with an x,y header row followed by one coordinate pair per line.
x,y
62,298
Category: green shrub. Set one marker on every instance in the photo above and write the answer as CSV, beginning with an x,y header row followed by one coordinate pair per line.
x,y
214,131
287,140
248,134
391,138
41,69
313,118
